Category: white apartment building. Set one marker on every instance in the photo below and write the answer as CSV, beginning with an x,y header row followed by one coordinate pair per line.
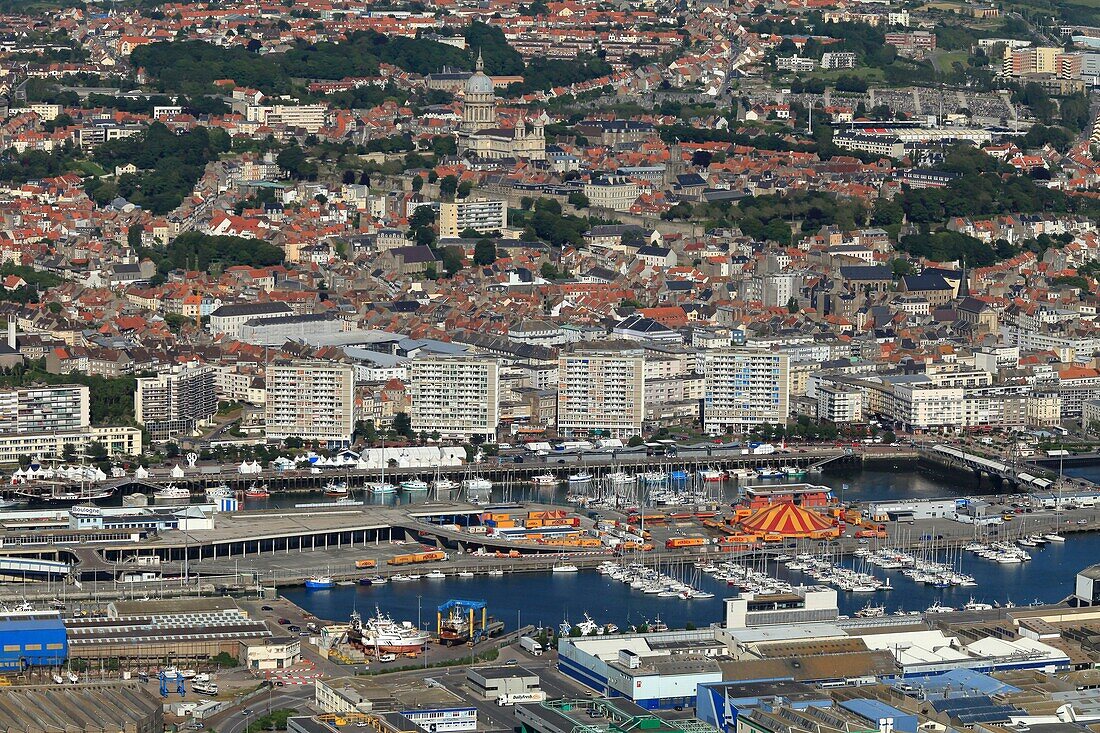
x,y
175,403
601,392
43,420
839,405
456,396
310,117
745,388
480,214
614,192
313,400
838,60
44,409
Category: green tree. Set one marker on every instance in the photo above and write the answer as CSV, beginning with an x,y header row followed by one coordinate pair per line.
x,y
452,260
448,185
578,199
402,424
485,252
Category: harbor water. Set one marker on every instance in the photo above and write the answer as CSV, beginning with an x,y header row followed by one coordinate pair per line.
x,y
548,598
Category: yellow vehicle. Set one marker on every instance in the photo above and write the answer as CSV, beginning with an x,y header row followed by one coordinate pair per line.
x,y
1008,516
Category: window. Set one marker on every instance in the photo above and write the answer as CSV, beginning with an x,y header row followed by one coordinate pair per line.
x,y
32,648
12,648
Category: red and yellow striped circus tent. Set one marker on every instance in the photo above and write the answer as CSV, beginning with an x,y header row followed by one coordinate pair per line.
x,y
788,520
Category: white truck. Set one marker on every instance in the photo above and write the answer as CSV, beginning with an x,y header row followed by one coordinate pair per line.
x,y
530,646
521,697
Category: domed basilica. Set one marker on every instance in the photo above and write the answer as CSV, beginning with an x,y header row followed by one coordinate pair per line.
x,y
480,133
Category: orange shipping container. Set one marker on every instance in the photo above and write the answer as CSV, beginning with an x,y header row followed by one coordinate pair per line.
x,y
685,542
365,564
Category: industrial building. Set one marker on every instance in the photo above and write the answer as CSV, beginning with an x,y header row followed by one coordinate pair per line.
x,y
494,682
619,716
32,639
652,670
84,708
142,632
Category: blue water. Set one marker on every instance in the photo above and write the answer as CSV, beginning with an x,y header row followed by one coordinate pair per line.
x,y
881,480
547,598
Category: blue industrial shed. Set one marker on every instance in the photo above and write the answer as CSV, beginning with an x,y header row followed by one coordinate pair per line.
x,y
32,641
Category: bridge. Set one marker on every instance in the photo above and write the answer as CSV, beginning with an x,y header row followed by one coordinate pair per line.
x,y
998,470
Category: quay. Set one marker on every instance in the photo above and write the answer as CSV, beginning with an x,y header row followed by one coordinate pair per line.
x,y
242,551
506,471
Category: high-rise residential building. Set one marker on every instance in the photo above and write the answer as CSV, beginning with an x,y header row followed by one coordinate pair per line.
x,y
311,400
456,396
744,388
601,390
44,420
175,403
480,214
45,409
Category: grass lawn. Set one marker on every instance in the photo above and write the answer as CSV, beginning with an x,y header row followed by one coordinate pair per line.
x,y
90,168
944,60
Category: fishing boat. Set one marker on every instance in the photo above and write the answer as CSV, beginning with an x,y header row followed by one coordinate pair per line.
x,y
711,476
546,480
794,472
413,486
973,605
381,489
444,486
384,635
477,487
454,629
436,575
219,492
870,611
579,480
171,492
257,491
337,489
768,474
320,582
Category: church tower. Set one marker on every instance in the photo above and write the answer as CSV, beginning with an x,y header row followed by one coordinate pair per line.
x,y
479,107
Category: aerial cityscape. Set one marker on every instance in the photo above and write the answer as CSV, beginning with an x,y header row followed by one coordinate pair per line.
x,y
550,366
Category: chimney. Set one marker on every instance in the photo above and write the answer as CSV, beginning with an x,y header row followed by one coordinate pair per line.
x,y
11,335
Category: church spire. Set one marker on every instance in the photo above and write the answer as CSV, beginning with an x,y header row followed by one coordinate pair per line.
x,y
480,65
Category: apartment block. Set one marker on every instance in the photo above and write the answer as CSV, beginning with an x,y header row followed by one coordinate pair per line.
x,y
456,396
41,421
480,214
744,388
44,409
310,400
839,405
174,404
601,392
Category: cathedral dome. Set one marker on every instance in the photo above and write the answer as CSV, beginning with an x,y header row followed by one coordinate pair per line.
x,y
479,84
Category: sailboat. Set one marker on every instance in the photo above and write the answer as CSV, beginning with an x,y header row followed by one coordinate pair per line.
x,y
382,488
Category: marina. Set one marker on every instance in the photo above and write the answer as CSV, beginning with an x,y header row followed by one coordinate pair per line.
x,y
545,598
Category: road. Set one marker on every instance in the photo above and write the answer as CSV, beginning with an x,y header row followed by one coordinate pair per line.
x,y
233,721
